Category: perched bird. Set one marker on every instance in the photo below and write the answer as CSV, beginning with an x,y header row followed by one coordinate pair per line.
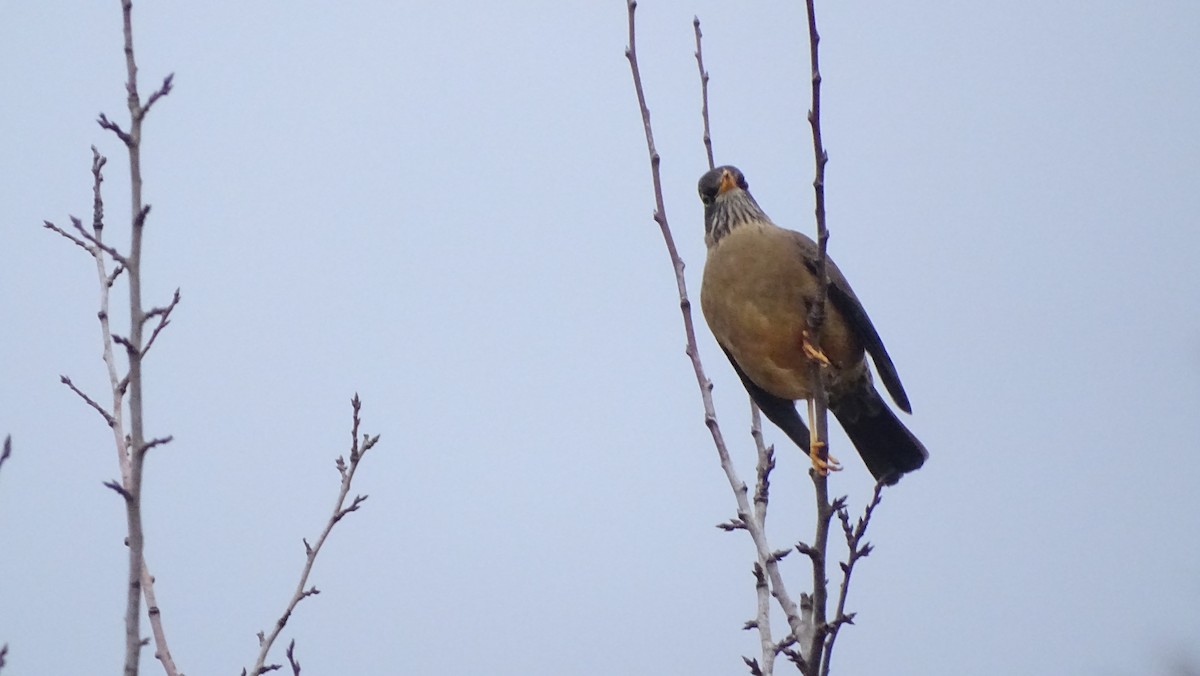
x,y
759,282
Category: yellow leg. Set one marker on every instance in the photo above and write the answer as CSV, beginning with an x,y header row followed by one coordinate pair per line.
x,y
817,448
812,351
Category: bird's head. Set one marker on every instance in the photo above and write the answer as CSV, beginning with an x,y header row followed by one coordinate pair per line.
x,y
727,202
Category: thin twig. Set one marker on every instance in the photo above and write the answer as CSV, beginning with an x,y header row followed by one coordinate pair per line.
x,y
4,455
98,162
819,402
817,554
116,255
291,655
156,442
857,550
117,384
745,513
816,315
115,128
118,489
762,622
162,91
762,490
108,417
358,448
112,276
765,454
703,93
75,240
164,319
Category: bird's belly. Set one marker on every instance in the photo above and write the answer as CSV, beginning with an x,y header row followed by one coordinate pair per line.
x,y
769,351
759,312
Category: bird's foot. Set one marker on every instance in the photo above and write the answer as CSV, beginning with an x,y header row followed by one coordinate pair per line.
x,y
812,351
823,466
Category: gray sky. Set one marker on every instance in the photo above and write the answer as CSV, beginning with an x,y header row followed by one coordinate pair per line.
x,y
446,208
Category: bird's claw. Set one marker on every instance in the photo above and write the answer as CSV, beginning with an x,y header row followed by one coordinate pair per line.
x,y
823,466
812,351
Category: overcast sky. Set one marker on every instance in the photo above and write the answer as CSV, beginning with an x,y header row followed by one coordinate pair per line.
x,y
446,207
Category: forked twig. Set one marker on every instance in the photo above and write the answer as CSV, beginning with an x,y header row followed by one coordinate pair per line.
x,y
164,319
131,444
291,655
857,550
358,448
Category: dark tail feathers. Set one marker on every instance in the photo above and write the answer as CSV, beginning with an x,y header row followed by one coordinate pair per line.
x,y
884,443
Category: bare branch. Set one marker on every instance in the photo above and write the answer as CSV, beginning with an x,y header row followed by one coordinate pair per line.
x,y
164,319
358,500
703,93
762,622
732,525
161,651
115,128
95,247
98,162
133,452
766,464
808,551
74,240
821,157
120,490
311,551
857,550
4,455
3,654
108,417
291,655
139,219
116,255
127,344
818,404
156,442
112,277
746,517
158,94
162,311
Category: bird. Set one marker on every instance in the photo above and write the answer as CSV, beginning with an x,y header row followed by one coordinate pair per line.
x,y
760,282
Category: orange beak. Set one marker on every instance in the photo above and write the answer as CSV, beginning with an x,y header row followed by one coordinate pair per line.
x,y
728,182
